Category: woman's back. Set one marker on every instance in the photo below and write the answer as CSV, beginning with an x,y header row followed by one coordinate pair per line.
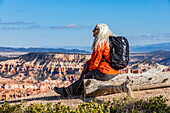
x,y
98,56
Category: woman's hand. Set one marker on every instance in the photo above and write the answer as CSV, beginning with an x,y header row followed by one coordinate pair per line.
x,y
85,68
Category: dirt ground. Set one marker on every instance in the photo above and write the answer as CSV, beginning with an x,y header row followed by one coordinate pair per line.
x,y
53,97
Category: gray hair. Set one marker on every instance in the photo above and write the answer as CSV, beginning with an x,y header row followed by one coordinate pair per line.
x,y
102,37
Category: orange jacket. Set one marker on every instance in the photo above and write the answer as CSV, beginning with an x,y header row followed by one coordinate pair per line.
x,y
96,58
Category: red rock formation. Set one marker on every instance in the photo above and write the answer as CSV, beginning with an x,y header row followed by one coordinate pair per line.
x,y
24,75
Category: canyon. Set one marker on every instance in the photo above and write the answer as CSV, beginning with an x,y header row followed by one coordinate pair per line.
x,y
39,72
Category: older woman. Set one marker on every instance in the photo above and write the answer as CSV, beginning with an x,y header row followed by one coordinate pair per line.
x,y
95,67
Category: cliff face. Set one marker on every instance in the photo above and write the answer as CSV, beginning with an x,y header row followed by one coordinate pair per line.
x,y
35,73
41,66
161,57
140,66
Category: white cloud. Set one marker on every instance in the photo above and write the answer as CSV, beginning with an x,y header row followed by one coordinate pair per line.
x,y
15,23
71,26
148,34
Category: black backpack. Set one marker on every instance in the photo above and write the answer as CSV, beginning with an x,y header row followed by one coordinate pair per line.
x,y
119,52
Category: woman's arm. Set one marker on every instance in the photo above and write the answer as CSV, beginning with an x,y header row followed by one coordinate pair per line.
x,y
96,58
88,62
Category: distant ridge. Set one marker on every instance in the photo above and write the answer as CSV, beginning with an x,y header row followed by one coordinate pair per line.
x,y
138,48
86,49
58,50
150,48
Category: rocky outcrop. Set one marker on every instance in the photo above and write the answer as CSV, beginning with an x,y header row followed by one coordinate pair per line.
x,y
140,67
35,73
161,57
41,66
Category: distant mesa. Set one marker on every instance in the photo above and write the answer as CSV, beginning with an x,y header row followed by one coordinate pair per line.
x,y
86,49
150,48
138,48
57,50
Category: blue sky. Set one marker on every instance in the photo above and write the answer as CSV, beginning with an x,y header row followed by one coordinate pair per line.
x,y
51,23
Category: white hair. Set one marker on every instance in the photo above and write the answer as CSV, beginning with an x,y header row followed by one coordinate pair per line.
x,y
102,37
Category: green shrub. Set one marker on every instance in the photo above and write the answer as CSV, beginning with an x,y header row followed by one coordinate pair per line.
x,y
151,105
